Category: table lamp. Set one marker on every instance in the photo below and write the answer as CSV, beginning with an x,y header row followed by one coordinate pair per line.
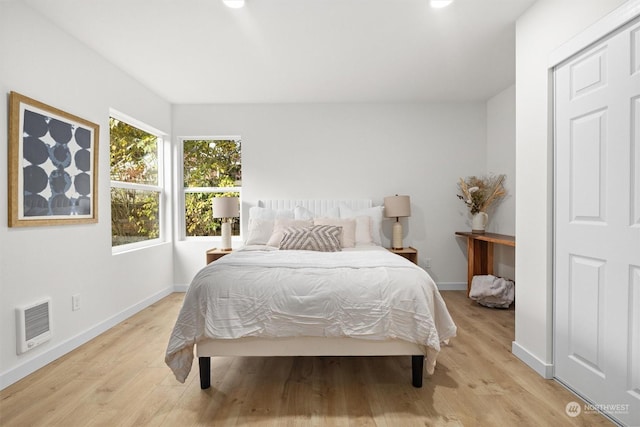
x,y
397,207
226,208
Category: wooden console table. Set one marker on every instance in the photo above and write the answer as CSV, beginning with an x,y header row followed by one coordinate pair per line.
x,y
480,252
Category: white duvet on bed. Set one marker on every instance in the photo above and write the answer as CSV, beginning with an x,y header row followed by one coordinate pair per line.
x,y
361,293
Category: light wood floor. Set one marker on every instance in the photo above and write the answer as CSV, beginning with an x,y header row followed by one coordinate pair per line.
x,y
119,379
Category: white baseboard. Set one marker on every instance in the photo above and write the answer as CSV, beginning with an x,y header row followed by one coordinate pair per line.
x,y
545,370
13,375
181,288
452,286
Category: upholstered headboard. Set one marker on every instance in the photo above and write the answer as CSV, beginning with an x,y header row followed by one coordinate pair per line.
x,y
370,231
318,207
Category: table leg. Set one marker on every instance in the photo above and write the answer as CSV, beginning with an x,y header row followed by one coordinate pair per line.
x,y
480,259
470,262
489,262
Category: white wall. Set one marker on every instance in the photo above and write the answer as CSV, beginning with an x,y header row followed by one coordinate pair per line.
x,y
42,62
354,151
501,159
544,27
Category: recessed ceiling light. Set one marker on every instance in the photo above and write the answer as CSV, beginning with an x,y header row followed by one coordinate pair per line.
x,y
234,4
437,4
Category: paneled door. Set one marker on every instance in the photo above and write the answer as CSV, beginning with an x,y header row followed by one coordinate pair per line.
x,y
597,224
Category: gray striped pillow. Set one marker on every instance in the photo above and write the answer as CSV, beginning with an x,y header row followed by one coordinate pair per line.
x,y
321,238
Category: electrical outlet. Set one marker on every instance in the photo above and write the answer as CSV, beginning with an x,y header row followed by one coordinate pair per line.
x,y
427,263
75,302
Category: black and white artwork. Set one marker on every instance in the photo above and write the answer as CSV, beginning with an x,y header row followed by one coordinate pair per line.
x,y
53,158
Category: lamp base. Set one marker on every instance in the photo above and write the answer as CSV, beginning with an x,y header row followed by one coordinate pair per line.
x,y
226,236
396,241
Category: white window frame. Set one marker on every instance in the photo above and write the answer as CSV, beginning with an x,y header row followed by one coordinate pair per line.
x,y
182,191
159,188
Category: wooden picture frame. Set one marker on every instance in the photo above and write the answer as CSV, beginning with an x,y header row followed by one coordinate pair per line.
x,y
53,165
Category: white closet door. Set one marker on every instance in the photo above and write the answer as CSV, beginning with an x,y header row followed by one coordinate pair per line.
x,y
597,224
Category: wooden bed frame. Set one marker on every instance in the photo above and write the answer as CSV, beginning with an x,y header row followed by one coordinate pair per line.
x,y
308,346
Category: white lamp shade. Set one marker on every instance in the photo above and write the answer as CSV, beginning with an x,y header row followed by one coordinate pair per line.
x,y
439,4
226,207
234,4
397,206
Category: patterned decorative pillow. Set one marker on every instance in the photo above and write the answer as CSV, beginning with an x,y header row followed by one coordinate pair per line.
x,y
282,224
321,238
348,235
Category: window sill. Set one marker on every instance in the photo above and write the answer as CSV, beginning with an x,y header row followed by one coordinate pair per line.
x,y
134,247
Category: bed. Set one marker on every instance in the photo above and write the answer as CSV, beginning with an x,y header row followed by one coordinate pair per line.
x,y
265,300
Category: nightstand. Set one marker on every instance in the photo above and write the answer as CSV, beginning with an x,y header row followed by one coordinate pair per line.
x,y
215,253
409,253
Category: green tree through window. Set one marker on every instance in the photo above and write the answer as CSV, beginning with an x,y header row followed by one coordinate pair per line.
x,y
211,168
135,187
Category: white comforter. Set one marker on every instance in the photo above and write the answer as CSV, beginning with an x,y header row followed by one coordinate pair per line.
x,y
369,294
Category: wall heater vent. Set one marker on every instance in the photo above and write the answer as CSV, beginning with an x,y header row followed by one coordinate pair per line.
x,y
33,325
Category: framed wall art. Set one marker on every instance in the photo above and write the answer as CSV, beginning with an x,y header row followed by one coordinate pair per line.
x,y
53,162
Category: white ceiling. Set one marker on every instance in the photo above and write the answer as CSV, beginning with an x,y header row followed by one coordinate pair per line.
x,y
200,51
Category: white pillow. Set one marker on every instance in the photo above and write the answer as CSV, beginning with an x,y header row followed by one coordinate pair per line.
x,y
281,224
333,212
375,213
259,232
364,234
348,235
302,213
266,213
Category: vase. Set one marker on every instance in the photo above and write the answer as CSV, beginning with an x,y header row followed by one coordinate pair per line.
x,y
479,222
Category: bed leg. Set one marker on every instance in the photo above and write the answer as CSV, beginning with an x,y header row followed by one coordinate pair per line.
x,y
205,372
417,364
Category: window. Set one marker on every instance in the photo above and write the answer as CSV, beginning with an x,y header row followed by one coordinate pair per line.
x,y
211,168
136,191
